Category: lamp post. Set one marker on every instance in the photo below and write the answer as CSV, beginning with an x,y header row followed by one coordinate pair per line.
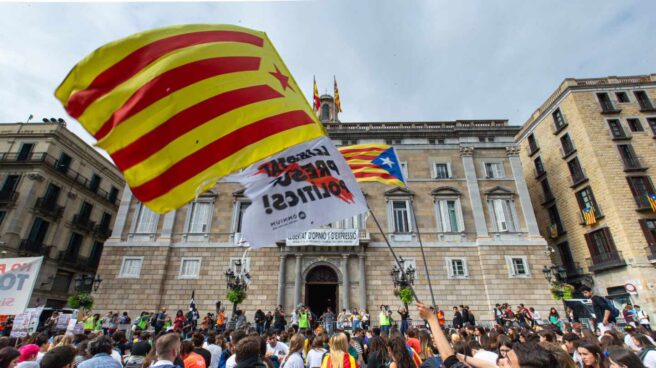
x,y
237,280
85,283
555,276
403,276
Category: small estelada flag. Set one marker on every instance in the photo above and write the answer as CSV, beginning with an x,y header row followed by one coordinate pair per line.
x,y
374,162
315,96
589,216
553,230
179,107
338,102
652,201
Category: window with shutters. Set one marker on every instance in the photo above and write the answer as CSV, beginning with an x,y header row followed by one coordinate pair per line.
x,y
131,267
643,101
441,170
575,169
532,144
600,244
189,268
559,120
64,163
652,125
493,170
539,166
649,229
635,125
585,199
504,217
554,220
546,190
567,145
146,221
457,267
199,216
241,205
622,97
517,266
616,129
401,216
641,187
449,215
606,103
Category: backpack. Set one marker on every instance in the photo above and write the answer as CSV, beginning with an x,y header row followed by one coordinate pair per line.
x,y
433,362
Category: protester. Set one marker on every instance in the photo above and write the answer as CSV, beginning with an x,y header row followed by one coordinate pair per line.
x,y
604,310
167,349
247,353
647,351
9,357
190,357
316,353
138,354
100,350
294,358
397,350
339,356
28,355
623,358
592,355
59,357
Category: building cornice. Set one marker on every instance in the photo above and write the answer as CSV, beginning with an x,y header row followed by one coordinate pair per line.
x,y
582,85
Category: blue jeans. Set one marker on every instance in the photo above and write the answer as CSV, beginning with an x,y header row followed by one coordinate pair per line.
x,y
404,326
385,329
260,328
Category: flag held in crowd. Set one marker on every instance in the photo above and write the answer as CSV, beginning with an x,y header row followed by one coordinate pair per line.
x,y
181,106
589,216
374,162
299,189
192,302
652,201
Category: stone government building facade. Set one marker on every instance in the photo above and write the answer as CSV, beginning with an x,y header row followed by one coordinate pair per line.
x,y
465,181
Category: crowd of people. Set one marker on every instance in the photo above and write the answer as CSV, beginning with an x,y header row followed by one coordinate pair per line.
x,y
519,338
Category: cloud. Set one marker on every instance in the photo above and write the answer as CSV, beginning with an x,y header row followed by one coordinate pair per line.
x,y
394,61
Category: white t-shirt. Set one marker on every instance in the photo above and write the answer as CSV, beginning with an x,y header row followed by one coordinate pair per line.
x,y
650,360
215,351
315,358
117,357
294,361
281,349
231,362
487,356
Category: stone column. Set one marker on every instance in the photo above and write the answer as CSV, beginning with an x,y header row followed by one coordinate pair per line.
x,y
299,280
122,214
281,280
522,191
467,154
363,282
346,283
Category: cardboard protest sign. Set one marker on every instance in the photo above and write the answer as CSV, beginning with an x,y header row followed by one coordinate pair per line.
x,y
17,279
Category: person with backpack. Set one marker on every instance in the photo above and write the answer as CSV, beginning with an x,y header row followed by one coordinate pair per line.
x,y
605,312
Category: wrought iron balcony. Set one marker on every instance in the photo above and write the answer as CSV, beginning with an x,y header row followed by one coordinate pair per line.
x,y
68,257
34,248
83,223
8,198
49,207
102,231
633,163
606,261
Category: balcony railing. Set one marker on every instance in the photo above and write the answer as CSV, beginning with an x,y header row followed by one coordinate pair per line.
x,y
642,201
102,232
83,223
49,207
33,247
8,198
48,160
633,164
573,269
68,257
606,261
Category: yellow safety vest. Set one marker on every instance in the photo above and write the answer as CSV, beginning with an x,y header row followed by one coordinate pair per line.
x,y
384,319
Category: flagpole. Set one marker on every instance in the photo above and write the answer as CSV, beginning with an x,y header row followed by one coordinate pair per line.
x,y
396,259
423,255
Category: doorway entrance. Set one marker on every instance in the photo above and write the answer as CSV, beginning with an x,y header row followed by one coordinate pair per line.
x,y
321,289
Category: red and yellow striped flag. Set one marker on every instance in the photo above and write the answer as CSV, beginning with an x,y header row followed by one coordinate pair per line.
x,y
652,201
589,216
338,102
178,107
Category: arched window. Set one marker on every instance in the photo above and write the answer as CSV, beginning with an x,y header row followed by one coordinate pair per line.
x,y
325,112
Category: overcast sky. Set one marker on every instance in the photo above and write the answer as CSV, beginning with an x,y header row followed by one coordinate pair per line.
x,y
394,60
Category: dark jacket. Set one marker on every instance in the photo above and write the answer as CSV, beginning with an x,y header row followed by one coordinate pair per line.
x,y
457,320
252,362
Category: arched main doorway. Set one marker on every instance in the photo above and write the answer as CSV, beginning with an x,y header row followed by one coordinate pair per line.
x,y
321,289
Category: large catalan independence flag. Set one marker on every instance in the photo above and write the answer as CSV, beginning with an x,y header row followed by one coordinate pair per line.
x,y
374,162
180,106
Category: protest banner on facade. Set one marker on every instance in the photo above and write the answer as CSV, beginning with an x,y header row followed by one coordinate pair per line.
x,y
17,279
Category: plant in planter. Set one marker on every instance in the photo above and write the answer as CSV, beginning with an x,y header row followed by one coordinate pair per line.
x,y
81,300
405,295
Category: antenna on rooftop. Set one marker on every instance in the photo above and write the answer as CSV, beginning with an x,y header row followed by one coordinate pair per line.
x,y
29,118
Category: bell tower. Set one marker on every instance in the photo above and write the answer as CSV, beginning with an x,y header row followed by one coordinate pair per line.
x,y
327,109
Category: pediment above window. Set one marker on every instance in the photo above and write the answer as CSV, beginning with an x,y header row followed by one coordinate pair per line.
x,y
399,192
499,191
446,191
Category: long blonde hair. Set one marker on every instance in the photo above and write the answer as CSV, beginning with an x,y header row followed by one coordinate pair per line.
x,y
338,347
296,345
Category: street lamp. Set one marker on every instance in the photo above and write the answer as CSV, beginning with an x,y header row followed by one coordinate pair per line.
x,y
556,276
86,282
403,276
237,280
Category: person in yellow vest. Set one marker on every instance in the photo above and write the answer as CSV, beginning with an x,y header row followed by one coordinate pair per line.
x,y
88,322
303,319
384,319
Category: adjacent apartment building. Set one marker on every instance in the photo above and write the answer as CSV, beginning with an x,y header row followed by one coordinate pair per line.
x,y
58,199
589,154
473,210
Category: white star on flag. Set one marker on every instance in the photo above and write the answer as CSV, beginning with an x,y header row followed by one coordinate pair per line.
x,y
387,161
